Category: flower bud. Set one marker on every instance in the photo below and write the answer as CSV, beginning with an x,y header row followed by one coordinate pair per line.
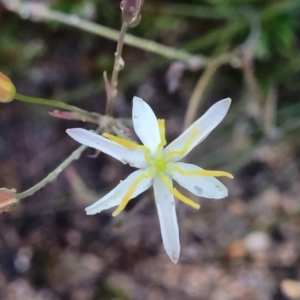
x,y
131,11
7,89
8,199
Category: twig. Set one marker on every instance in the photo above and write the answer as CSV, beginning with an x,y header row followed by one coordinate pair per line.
x,y
51,176
253,87
203,82
40,12
248,53
130,40
198,92
118,65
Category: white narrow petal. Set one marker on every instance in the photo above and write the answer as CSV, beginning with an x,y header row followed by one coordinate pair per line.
x,y
134,157
145,124
114,197
204,186
204,125
168,220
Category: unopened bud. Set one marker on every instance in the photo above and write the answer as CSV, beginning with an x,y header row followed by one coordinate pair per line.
x,y
7,89
131,11
8,199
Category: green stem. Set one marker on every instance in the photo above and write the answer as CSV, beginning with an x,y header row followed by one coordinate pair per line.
x,y
53,103
51,176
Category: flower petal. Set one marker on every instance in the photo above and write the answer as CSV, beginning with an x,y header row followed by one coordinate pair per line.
x,y
168,220
199,130
145,124
133,157
204,186
114,197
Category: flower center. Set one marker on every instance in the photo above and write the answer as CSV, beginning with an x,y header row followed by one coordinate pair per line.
x,y
160,164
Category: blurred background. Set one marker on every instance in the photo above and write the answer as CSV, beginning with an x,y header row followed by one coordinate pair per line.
x,y
246,246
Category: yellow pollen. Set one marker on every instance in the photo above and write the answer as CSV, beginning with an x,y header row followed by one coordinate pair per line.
x,y
202,172
186,146
177,194
129,193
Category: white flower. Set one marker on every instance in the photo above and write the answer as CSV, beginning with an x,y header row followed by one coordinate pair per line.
x,y
158,166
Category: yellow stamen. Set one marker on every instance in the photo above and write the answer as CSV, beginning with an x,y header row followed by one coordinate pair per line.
x,y
186,146
215,173
120,141
178,195
202,172
194,133
129,193
162,131
129,145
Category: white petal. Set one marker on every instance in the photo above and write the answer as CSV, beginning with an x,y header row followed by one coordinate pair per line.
x,y
204,186
205,125
145,124
133,157
168,220
114,197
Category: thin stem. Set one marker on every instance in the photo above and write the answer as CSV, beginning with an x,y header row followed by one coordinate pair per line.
x,y
253,87
198,92
118,64
50,177
53,103
41,13
130,40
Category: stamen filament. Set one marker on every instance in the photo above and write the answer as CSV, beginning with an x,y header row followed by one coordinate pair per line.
x,y
215,173
178,195
129,193
129,145
186,146
202,172
120,141
162,131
